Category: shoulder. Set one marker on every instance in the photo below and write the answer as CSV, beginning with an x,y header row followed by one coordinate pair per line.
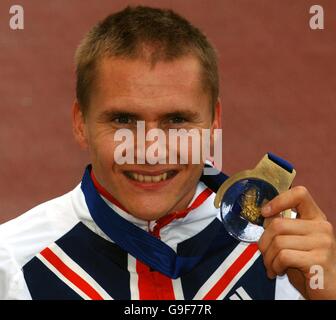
x,y
26,235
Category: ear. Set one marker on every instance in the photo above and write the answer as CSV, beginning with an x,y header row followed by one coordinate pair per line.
x,y
78,126
215,139
217,121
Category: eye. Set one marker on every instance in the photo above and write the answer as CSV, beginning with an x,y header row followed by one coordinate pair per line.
x,y
124,119
177,120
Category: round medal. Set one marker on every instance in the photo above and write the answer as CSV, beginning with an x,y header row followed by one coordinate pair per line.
x,y
241,197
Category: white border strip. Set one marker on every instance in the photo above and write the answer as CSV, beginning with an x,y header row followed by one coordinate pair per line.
x,y
134,278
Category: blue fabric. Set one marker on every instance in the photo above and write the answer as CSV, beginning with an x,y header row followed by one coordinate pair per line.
x,y
280,162
133,239
214,181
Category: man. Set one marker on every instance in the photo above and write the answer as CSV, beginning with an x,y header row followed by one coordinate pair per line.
x,y
144,231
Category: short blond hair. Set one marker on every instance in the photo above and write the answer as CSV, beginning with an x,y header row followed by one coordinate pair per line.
x,y
127,32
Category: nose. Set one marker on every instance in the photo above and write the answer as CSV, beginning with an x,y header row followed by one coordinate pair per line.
x,y
150,143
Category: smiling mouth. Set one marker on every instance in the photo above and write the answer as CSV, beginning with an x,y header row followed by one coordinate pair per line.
x,y
150,177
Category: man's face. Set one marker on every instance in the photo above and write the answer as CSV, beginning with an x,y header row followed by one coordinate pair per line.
x,y
167,96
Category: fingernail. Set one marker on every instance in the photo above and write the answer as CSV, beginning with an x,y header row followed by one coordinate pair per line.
x,y
266,209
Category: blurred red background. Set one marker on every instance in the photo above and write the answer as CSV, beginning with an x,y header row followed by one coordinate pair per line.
x,y
278,80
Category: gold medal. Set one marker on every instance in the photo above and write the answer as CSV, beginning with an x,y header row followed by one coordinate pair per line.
x,y
241,197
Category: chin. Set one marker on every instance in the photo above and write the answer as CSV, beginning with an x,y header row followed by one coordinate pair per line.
x,y
148,215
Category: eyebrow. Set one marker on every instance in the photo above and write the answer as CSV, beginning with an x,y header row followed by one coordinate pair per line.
x,y
108,115
190,115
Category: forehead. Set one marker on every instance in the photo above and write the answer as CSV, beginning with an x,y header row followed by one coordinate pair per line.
x,y
129,80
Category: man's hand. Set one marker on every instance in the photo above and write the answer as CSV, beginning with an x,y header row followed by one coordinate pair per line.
x,y
293,246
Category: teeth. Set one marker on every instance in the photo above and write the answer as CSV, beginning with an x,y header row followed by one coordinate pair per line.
x,y
156,178
148,179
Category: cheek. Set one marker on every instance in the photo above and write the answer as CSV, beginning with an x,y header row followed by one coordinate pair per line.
x,y
102,146
191,177
192,149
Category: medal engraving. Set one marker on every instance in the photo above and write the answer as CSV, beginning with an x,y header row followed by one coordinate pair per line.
x,y
250,210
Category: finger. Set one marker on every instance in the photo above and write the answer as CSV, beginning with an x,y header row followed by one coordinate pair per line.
x,y
300,243
288,258
282,226
268,221
297,197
